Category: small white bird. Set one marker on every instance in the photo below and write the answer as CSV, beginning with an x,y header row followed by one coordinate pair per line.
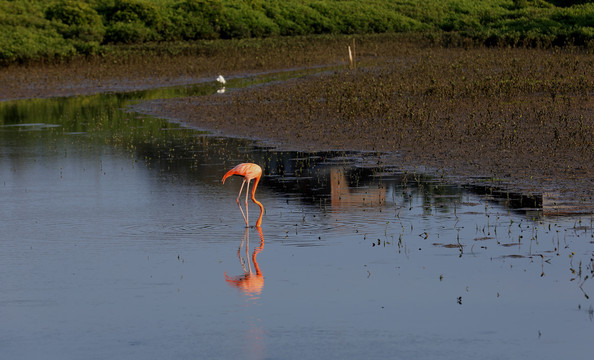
x,y
221,80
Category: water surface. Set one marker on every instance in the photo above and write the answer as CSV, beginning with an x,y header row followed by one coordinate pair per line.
x,y
119,241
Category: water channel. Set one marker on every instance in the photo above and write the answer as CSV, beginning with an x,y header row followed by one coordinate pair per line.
x,y
119,241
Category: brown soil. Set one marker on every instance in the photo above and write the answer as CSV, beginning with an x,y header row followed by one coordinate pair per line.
x,y
523,118
144,67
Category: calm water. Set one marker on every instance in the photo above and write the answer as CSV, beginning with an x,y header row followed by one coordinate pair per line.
x,y
120,242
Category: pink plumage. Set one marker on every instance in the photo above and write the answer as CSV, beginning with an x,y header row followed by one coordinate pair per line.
x,y
248,171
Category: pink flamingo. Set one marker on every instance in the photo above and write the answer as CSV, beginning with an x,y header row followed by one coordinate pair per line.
x,y
248,171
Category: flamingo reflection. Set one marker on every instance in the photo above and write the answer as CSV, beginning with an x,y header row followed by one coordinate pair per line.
x,y
249,283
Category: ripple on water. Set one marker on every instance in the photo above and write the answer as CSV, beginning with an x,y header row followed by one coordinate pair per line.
x,y
177,231
30,126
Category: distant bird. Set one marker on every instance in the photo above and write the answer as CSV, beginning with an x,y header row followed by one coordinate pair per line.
x,y
221,80
248,171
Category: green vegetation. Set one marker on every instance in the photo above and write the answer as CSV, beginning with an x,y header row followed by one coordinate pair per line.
x,y
59,29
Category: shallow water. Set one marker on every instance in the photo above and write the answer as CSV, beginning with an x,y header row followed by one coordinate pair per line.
x,y
121,242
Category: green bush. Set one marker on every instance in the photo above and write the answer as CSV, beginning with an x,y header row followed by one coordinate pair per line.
x,y
240,20
128,32
62,28
197,19
76,20
21,44
133,21
300,19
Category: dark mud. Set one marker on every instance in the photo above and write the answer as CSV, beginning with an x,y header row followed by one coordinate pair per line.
x,y
506,119
141,67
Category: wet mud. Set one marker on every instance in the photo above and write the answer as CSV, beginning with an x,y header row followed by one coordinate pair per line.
x,y
502,120
519,120
142,67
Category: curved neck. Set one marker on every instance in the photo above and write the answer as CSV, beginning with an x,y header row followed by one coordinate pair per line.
x,y
229,173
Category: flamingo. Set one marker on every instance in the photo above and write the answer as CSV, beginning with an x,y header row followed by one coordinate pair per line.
x,y
248,171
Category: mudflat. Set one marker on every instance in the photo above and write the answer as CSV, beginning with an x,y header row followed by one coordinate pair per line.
x,y
517,119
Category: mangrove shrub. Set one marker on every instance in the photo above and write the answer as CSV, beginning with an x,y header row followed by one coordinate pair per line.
x,y
55,29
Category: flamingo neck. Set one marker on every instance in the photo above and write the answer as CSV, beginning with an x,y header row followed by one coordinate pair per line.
x,y
229,173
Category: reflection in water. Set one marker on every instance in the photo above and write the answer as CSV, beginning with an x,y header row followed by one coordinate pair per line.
x,y
98,204
342,195
249,283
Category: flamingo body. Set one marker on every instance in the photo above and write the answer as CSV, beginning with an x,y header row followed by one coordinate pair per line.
x,y
248,171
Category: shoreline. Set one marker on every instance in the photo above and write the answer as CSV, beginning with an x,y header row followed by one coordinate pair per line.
x,y
421,108
558,197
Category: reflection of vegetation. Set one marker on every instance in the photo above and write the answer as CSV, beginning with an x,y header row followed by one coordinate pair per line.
x,y
100,117
62,28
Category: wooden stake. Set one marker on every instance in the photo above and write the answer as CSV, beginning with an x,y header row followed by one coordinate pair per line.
x,y
350,57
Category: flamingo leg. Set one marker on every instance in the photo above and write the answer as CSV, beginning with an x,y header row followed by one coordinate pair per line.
x,y
247,191
247,249
241,260
237,200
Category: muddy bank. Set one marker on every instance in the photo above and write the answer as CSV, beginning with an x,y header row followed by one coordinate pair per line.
x,y
520,120
148,66
517,119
